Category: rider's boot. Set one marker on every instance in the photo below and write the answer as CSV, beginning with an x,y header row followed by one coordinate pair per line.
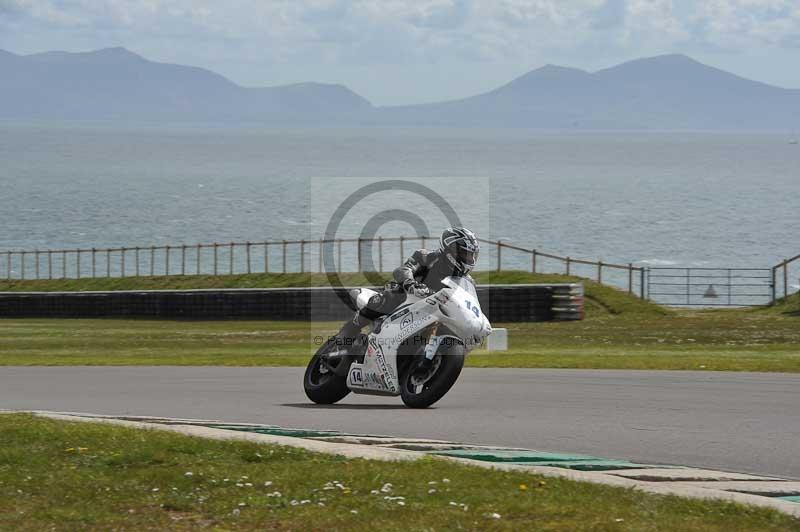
x,y
351,330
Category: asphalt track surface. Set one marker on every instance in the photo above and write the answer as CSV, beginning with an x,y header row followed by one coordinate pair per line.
x,y
742,422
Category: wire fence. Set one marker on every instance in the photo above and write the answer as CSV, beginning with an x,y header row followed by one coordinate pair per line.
x,y
289,256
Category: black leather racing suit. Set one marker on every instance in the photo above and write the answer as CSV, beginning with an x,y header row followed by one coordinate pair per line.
x,y
423,266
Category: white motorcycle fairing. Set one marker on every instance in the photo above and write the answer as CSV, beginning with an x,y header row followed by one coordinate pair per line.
x,y
456,307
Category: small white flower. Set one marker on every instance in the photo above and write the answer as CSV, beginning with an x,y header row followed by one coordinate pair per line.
x,y
154,489
401,503
431,490
236,512
305,501
320,504
453,503
248,484
188,474
375,492
293,502
353,511
494,515
241,504
239,485
386,488
446,480
432,482
268,483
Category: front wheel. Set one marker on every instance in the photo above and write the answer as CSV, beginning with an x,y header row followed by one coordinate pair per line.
x,y
422,389
321,383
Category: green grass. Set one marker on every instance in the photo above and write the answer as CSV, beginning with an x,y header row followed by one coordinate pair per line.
x,y
620,332
57,475
737,340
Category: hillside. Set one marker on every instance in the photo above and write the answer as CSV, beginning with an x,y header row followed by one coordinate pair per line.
x,y
116,84
664,92
659,93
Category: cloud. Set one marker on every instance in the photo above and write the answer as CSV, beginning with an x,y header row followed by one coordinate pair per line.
x,y
404,31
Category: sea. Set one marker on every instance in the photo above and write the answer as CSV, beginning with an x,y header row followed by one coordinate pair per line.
x,y
648,198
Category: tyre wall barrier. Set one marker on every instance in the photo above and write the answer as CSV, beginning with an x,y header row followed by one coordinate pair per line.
x,y
501,303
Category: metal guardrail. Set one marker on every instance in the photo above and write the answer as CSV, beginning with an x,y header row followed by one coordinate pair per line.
x,y
284,256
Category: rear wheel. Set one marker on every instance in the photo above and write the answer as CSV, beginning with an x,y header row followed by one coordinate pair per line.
x,y
422,388
321,382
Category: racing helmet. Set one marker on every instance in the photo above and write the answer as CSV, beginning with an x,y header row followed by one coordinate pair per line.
x,y
461,248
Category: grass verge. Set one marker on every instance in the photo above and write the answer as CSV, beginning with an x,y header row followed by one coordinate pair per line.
x,y
59,475
620,332
734,341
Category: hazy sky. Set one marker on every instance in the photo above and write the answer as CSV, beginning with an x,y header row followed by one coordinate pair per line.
x,y
403,51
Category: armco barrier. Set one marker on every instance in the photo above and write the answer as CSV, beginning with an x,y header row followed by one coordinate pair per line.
x,y
501,303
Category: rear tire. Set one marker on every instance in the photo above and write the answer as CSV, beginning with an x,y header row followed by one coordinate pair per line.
x,y
325,388
452,361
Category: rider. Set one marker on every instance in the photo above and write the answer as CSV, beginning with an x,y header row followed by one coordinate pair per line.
x,y
420,274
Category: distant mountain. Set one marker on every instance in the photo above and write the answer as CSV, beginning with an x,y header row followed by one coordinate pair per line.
x,y
115,84
664,92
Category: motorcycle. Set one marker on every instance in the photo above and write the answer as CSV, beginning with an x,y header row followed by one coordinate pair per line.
x,y
417,352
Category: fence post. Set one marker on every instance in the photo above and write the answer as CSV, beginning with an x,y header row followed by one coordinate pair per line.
x,y
358,254
302,256
108,262
63,264
380,253
22,265
230,260
247,254
641,283
600,271
499,255
567,265
152,259
136,256
8,265
786,278
402,255
197,259
266,257
319,257
283,259
423,242
166,260
78,263
36,268
630,277
49,264
773,287
533,261
94,263
216,252
122,262
339,254
183,259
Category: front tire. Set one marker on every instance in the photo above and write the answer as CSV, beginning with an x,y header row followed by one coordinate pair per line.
x,y
320,383
446,371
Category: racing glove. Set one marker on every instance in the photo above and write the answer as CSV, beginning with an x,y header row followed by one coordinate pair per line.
x,y
415,287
